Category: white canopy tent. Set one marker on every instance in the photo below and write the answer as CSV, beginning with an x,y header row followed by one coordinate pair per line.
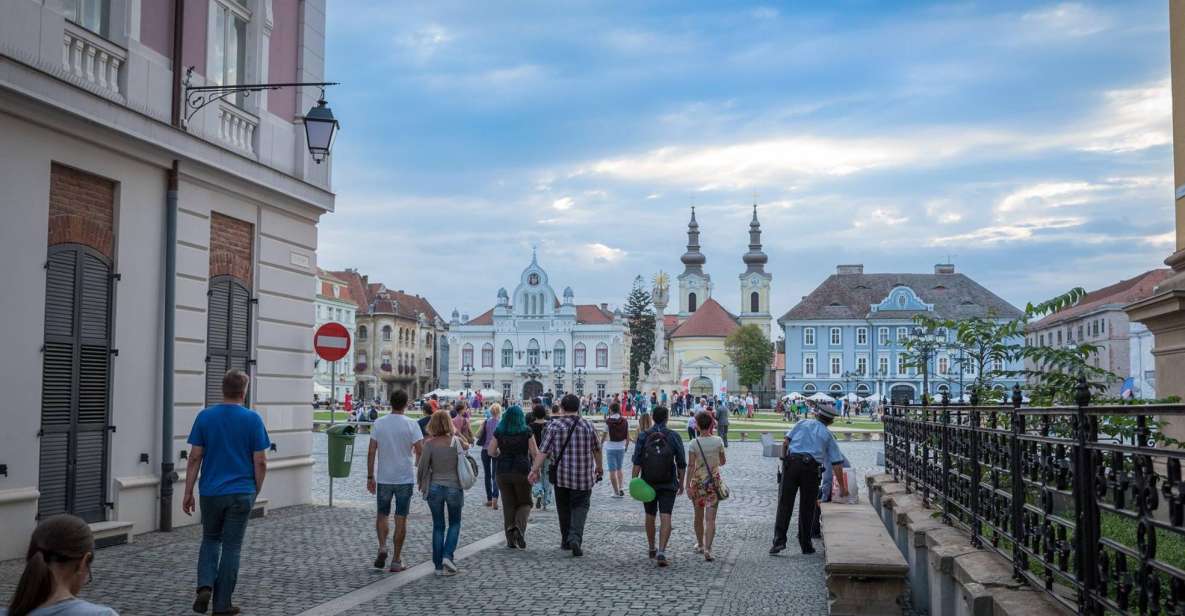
x,y
821,397
442,393
490,394
852,397
793,396
319,389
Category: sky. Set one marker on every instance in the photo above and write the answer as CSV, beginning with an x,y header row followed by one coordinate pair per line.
x,y
1028,143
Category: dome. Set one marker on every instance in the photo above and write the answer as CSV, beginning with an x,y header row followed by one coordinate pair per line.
x,y
693,260
502,294
568,292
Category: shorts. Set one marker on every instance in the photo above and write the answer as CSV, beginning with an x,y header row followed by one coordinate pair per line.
x,y
664,502
401,492
614,458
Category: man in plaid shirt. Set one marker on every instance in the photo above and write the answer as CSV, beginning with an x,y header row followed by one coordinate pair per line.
x,y
578,470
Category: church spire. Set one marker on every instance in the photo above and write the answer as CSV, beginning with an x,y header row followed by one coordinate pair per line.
x,y
755,259
693,260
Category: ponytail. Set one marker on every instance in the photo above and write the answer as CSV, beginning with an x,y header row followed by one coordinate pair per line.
x,y
35,586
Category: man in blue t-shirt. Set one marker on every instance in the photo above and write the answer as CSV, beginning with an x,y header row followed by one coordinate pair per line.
x,y
227,445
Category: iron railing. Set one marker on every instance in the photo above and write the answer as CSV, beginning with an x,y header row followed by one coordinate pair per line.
x,y
1086,502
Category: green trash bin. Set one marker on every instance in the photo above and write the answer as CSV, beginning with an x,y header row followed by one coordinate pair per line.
x,y
341,449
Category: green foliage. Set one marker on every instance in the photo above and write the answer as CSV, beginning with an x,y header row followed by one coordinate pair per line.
x,y
639,315
751,352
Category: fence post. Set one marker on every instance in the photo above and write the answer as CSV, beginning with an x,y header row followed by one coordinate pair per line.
x,y
976,468
1017,423
944,450
1086,512
906,428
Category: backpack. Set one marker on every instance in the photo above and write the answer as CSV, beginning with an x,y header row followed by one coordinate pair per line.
x,y
658,458
619,429
374,414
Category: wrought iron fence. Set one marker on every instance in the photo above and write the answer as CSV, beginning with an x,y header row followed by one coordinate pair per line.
x,y
1087,502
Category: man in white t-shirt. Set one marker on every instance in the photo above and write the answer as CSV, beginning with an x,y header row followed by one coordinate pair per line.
x,y
398,441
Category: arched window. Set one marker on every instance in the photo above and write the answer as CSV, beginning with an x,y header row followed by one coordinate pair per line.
x,y
602,355
487,355
754,302
467,356
808,389
507,354
362,332
691,302
387,333
578,358
836,388
533,352
862,389
559,354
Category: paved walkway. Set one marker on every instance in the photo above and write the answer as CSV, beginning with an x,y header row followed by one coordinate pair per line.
x,y
316,560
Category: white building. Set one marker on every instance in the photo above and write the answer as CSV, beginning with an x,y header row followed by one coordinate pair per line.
x,y
334,304
1143,363
96,158
538,343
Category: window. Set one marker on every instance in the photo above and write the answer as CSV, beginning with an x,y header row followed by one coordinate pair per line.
x,y
808,336
601,390
228,45
836,388
882,364
691,302
1041,340
602,355
506,390
578,359
809,388
228,337
360,357
808,364
1059,337
90,14
862,365
836,336
559,354
882,336
901,361
533,352
362,333
862,336
943,364
386,333
754,302
507,355
902,334
1080,335
1102,327
467,356
487,355
836,364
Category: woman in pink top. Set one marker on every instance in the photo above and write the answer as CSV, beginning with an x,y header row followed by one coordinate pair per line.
x,y
485,438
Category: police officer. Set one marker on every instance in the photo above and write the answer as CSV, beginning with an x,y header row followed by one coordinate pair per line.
x,y
809,445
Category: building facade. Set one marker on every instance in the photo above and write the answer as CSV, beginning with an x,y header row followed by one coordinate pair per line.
x,y
849,334
333,304
104,161
396,341
536,342
1098,319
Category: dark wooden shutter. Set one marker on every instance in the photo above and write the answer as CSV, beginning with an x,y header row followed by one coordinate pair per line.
x,y
228,334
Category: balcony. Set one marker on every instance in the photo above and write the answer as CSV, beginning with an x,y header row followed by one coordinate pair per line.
x,y
237,128
93,62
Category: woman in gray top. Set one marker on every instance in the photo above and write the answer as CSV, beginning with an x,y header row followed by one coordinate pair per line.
x,y
438,482
57,564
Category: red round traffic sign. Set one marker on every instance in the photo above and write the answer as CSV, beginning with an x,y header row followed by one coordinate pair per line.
x,y
332,341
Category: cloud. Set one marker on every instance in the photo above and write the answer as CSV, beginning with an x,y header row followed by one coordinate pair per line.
x,y
1068,19
1048,195
563,203
424,43
601,253
1131,119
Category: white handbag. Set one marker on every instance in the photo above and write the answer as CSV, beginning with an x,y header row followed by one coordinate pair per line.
x,y
466,467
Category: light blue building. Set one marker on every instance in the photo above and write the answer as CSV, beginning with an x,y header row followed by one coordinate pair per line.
x,y
849,334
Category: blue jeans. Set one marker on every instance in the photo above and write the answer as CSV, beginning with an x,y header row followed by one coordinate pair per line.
x,y
224,522
445,545
490,474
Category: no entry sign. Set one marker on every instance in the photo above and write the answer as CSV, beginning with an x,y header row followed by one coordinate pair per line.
x,y
332,341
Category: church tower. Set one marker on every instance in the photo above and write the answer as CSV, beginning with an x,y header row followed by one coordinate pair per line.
x,y
695,286
755,281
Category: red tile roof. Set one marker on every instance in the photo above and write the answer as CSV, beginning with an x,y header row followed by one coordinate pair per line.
x,y
587,314
485,318
375,298
1122,293
669,323
711,320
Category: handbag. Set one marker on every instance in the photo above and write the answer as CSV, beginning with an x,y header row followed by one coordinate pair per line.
x,y
466,467
554,470
718,486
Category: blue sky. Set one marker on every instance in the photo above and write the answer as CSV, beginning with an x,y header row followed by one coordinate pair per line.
x,y
1029,142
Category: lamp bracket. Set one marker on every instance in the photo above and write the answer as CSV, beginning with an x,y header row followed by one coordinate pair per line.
x,y
197,97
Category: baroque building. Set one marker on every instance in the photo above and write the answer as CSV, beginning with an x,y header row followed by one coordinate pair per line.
x,y
534,341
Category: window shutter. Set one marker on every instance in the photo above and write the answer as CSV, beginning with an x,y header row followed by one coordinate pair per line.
x,y
228,334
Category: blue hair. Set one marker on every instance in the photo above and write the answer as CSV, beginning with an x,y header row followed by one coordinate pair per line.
x,y
513,422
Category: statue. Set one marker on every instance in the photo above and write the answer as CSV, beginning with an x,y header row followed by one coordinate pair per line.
x,y
658,376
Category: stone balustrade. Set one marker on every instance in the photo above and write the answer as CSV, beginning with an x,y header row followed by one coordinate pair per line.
x,y
93,61
236,128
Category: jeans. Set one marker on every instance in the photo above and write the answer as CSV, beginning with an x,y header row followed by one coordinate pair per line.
x,y
444,544
490,475
542,488
572,507
224,522
799,479
722,430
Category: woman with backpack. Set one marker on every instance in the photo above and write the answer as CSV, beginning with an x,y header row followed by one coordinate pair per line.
x,y
705,456
619,441
512,446
485,436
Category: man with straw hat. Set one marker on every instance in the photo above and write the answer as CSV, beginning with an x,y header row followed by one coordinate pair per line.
x,y
809,445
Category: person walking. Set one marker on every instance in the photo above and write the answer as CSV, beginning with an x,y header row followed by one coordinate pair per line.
x,y
397,443
722,424
427,409
571,444
809,445
228,445
57,565
512,447
461,427
691,427
615,448
705,456
540,490
438,481
489,471
660,461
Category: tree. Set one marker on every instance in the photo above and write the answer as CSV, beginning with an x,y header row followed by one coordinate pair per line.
x,y
639,315
751,352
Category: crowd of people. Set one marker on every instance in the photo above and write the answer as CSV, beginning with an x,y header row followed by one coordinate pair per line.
x,y
529,459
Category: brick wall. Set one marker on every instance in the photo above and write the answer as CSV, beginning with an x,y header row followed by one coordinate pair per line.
x,y
81,209
231,246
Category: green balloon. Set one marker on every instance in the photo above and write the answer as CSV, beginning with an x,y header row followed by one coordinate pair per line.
x,y
642,491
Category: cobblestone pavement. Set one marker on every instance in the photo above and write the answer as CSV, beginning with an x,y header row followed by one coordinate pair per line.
x,y
300,557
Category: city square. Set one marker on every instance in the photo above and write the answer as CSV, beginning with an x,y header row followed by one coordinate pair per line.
x,y
340,307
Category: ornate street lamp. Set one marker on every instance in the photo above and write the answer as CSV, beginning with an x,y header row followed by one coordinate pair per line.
x,y
320,128
578,374
467,372
925,342
558,372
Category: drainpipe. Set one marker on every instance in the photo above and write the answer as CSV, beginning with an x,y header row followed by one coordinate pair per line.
x,y
168,475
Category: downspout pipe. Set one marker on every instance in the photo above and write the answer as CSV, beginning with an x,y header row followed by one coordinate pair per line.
x,y
168,473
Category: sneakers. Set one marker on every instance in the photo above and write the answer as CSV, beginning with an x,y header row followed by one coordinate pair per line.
x,y
618,494
396,566
519,540
380,561
449,565
652,553
777,548
201,603
661,559
808,550
576,551
230,611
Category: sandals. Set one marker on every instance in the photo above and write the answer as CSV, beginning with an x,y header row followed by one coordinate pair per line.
x,y
380,561
708,556
396,566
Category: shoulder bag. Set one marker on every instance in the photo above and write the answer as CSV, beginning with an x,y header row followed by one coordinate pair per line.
x,y
554,469
466,467
721,490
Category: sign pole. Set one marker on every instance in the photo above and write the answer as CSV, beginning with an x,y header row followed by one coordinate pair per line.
x,y
332,414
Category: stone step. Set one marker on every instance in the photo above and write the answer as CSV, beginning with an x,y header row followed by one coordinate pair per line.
x,y
112,532
259,510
